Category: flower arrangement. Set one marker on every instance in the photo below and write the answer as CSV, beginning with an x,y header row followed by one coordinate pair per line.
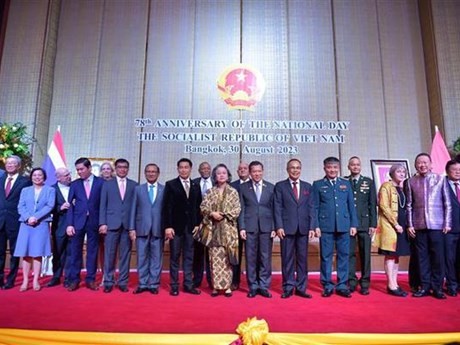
x,y
14,140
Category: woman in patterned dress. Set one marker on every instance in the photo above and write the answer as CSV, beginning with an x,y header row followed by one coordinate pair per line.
x,y
221,207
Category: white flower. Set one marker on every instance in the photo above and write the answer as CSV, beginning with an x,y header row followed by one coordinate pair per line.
x,y
2,146
14,128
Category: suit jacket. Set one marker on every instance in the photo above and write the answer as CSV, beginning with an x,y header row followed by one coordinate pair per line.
x,y
237,184
455,211
257,216
81,206
113,211
59,223
292,214
365,202
145,217
198,180
9,216
334,207
41,208
180,212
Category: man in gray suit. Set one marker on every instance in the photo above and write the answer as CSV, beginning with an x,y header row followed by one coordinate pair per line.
x,y
257,229
115,207
145,229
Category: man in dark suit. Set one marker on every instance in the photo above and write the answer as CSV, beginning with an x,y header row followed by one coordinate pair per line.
x,y
180,215
11,185
294,224
59,238
365,199
200,254
243,174
145,229
114,211
452,239
335,215
83,220
257,229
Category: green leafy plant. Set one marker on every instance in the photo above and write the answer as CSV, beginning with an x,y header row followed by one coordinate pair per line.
x,y
456,146
14,140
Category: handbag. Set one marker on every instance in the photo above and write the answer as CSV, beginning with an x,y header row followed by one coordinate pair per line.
x,y
203,233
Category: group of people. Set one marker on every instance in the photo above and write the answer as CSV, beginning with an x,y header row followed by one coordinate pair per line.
x,y
417,216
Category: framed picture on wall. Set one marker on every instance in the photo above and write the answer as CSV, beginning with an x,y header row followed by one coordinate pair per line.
x,y
381,170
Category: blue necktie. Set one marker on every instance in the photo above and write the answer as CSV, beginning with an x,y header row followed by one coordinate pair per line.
x,y
151,193
258,191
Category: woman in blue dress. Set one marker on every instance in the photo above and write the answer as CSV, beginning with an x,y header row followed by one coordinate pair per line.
x,y
35,206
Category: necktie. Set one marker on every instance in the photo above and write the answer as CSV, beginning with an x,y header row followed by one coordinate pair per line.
x,y
333,183
457,189
258,191
8,186
122,189
355,183
152,193
87,188
294,190
205,187
187,188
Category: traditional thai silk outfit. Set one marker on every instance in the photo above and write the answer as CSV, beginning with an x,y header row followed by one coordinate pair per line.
x,y
223,249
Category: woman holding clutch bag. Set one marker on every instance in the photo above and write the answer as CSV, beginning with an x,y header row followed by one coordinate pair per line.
x,y
221,207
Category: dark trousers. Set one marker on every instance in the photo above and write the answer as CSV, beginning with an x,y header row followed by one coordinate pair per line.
x,y
117,241
200,261
363,240
149,260
8,235
414,272
430,250
326,244
294,266
181,244
237,268
61,253
259,260
76,255
451,245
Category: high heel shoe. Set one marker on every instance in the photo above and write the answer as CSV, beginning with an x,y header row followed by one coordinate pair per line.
x,y
214,293
37,287
398,292
23,288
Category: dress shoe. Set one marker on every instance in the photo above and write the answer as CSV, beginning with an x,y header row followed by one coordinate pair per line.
x,y
108,289
398,292
287,294
265,293
8,286
326,293
251,294
174,292
451,293
66,284
92,286
421,293
139,290
234,287
438,294
302,294
364,291
228,293
192,291
344,293
123,288
53,282
214,293
154,291
352,288
72,287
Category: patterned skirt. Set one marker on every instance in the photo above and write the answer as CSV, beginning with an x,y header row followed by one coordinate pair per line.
x,y
221,270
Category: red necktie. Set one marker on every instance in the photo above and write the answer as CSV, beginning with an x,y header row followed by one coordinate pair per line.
x,y
8,187
457,189
294,190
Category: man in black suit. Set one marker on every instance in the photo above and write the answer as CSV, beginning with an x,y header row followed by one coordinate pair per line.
x,y
59,239
366,209
257,228
200,255
452,239
117,197
180,214
11,185
243,174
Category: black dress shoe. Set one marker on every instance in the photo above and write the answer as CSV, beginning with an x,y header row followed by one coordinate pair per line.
x,y
123,288
92,286
364,291
108,289
154,291
139,290
251,294
302,294
287,294
174,292
451,293
53,282
73,286
398,292
214,293
439,294
265,293
344,293
8,286
421,293
234,287
326,293
228,293
192,291
352,288
66,284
